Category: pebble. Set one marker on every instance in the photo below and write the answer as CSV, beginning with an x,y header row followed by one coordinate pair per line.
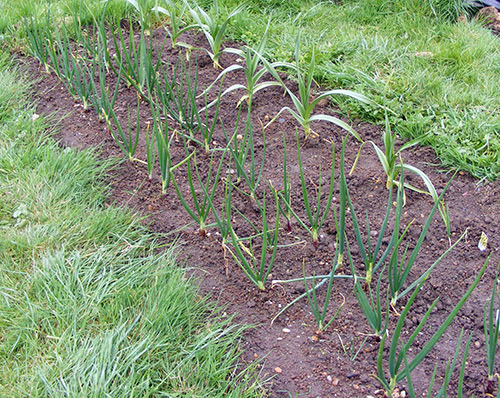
x,y
335,381
277,369
477,344
286,330
364,378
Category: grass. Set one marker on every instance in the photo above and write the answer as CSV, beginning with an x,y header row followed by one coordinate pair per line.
x,y
87,305
434,73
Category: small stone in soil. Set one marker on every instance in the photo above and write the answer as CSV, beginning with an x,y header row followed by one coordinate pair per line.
x,y
286,330
277,369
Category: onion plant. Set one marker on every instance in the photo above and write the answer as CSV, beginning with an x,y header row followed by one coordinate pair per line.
x,y
206,127
393,166
135,61
371,306
176,90
62,59
398,368
102,100
127,141
175,13
286,192
450,367
242,150
258,267
373,259
316,216
38,35
213,25
373,256
201,205
320,311
70,67
82,79
150,150
201,128
491,328
304,104
374,309
398,270
253,71
163,138
93,39
88,60
222,216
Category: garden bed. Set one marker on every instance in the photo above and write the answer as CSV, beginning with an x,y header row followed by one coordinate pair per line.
x,y
340,361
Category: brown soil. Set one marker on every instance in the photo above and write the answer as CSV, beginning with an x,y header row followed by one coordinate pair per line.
x,y
301,362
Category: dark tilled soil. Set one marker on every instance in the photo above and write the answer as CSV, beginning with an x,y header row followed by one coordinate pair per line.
x,y
340,362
